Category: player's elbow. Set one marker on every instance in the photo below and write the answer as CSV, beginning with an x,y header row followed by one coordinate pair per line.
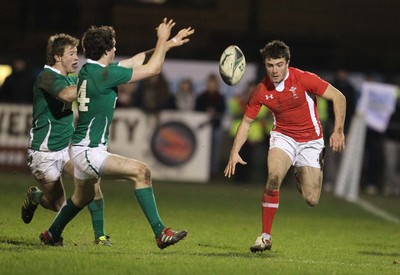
x,y
343,99
337,96
155,70
246,122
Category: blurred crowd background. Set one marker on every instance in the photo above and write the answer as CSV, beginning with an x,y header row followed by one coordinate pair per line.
x,y
323,34
345,42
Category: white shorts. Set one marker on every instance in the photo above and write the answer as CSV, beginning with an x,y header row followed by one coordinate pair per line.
x,y
310,153
88,162
47,166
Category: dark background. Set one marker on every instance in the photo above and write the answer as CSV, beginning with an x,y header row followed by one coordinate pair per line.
x,y
360,35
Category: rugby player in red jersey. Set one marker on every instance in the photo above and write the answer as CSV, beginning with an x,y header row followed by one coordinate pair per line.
x,y
296,138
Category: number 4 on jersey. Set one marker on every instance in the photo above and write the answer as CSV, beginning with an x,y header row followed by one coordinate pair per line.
x,y
82,99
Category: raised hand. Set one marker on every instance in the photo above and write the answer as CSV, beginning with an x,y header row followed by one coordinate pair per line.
x,y
164,29
180,38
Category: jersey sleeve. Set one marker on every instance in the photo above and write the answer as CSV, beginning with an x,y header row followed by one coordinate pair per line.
x,y
254,104
314,83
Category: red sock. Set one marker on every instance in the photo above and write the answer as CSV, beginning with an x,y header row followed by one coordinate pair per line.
x,y
270,204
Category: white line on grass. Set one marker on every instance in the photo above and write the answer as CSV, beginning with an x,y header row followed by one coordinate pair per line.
x,y
377,211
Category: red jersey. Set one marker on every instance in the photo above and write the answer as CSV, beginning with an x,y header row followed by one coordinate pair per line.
x,y
293,103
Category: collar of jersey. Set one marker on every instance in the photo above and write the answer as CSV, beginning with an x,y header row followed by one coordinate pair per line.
x,y
51,68
281,85
91,61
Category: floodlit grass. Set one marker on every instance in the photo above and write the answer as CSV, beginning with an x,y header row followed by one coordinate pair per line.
x,y
223,220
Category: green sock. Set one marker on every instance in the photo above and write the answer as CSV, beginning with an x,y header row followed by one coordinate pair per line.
x,y
146,200
67,212
96,209
37,197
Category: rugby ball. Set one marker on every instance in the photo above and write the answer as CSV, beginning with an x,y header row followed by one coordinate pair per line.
x,y
232,65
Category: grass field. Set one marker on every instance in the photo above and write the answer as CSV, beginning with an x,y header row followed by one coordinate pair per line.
x,y
223,220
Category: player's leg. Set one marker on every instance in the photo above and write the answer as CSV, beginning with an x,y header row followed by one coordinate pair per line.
x,y
279,163
85,177
309,170
49,194
46,168
96,210
52,186
309,182
51,180
139,173
53,194
83,194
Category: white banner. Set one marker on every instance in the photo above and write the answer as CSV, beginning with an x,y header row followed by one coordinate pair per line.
x,y
15,123
175,145
377,103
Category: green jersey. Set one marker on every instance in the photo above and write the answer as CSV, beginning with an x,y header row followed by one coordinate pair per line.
x,y
97,96
52,119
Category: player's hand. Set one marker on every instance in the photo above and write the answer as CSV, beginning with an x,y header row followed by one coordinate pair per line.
x,y
231,166
336,142
180,38
164,29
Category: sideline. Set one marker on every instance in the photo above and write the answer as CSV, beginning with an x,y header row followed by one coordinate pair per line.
x,y
377,211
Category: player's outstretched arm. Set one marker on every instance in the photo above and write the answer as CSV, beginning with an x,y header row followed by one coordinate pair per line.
x,y
143,57
163,33
154,64
240,139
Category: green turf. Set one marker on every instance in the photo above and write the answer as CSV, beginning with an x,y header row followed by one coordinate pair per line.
x,y
223,220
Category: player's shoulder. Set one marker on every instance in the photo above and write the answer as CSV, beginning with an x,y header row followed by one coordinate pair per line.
x,y
48,76
260,88
301,74
46,72
115,68
92,69
265,85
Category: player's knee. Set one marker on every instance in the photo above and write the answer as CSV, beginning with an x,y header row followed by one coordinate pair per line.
x,y
274,181
82,200
312,200
144,174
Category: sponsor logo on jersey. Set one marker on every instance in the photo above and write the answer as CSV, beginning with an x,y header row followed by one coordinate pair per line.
x,y
268,97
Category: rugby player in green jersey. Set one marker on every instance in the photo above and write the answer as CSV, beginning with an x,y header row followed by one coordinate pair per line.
x,y
50,135
97,95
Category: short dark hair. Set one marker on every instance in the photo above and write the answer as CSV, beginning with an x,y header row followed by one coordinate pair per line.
x,y
97,40
275,50
56,45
